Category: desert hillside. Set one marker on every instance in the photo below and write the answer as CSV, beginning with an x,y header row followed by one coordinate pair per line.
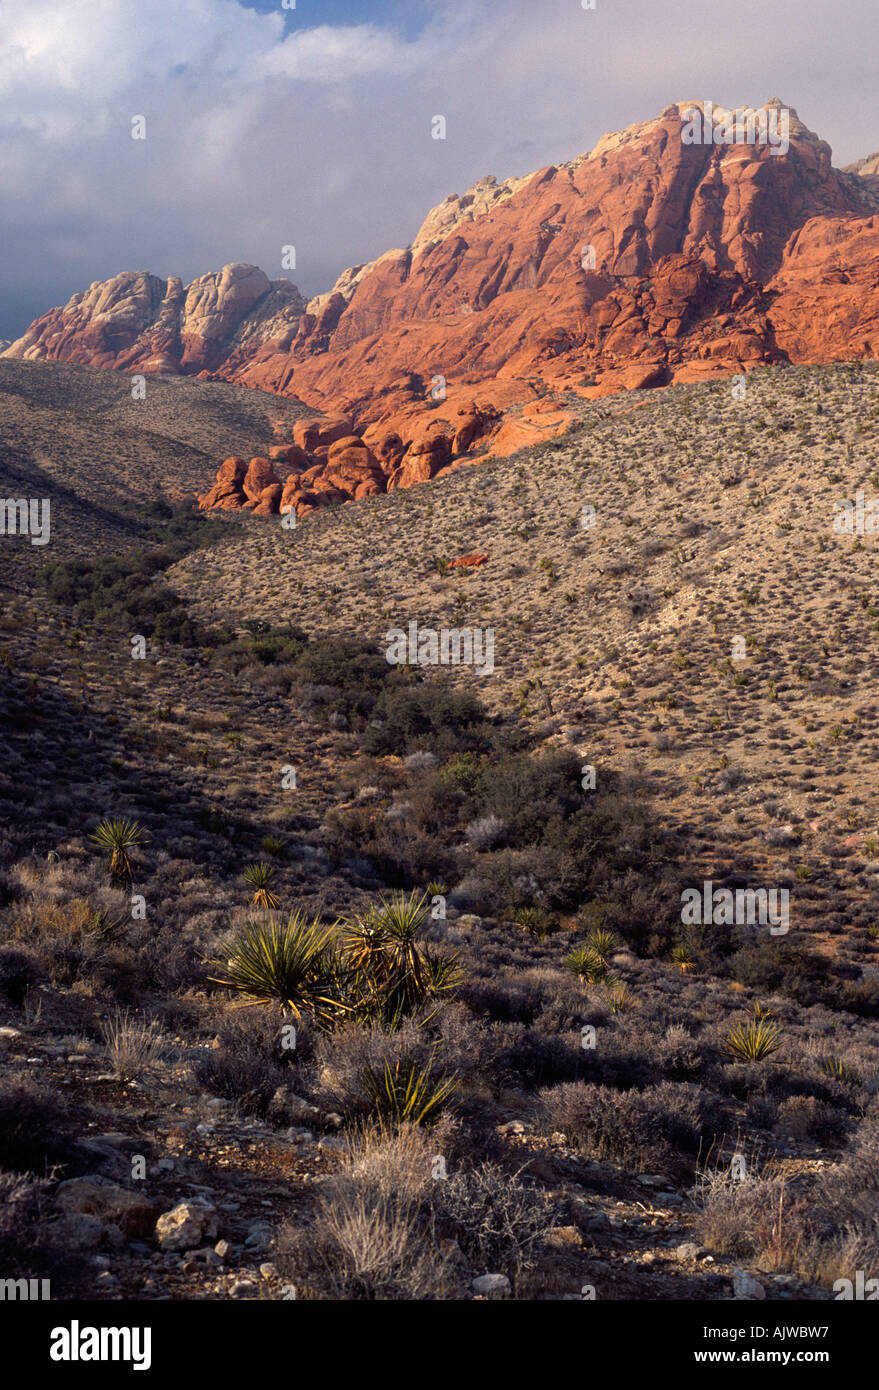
x,y
491,966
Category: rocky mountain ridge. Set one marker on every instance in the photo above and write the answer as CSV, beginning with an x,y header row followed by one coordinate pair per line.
x,y
654,258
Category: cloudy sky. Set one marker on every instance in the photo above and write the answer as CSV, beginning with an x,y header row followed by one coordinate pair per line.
x,y
268,126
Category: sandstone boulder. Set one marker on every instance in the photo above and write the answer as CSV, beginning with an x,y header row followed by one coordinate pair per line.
x,y
259,476
187,1225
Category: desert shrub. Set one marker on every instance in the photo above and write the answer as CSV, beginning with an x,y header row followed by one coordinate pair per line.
x,y
354,670
122,590
33,1243
679,1054
20,970
132,1044
531,1059
436,803
806,1117
646,1130
824,1229
264,645
372,1236
428,716
782,967
645,913
399,853
36,1129
487,832
168,962
251,1062
247,1079
525,793
759,1220
497,1218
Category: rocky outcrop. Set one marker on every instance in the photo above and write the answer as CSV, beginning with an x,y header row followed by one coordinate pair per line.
x,y
825,296
656,257
137,322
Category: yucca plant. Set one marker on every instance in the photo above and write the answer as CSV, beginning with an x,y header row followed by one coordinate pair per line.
x,y
840,1071
588,966
603,943
260,877
109,926
364,939
442,970
535,922
753,1041
683,957
406,1093
619,998
118,835
383,949
295,963
275,845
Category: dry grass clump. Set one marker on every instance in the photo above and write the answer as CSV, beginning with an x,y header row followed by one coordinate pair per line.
x,y
822,1228
133,1044
372,1236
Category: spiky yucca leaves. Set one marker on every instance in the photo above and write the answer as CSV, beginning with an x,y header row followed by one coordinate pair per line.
x,y
295,963
588,966
394,975
275,845
535,922
118,835
109,926
753,1041
760,1012
683,957
444,974
406,1093
620,999
840,1070
603,943
260,877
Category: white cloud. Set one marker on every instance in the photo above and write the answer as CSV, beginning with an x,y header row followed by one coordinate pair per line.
x,y
259,135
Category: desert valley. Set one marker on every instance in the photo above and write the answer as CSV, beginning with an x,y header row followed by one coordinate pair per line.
x,y
439,833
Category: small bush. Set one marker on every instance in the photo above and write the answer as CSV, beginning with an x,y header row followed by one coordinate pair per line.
x,y
645,1130
19,971
497,1219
